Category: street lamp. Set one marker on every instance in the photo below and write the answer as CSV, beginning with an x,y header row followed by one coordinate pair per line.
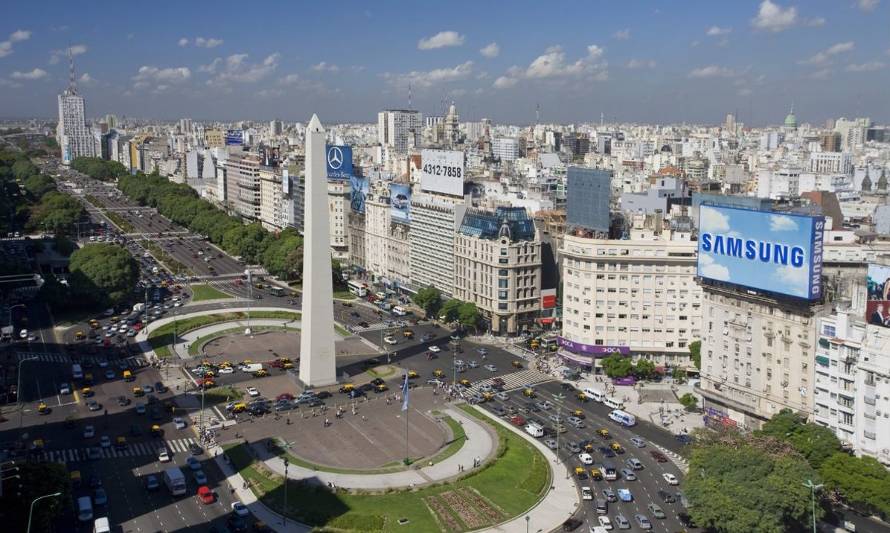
x,y
284,511
18,390
31,512
527,520
813,488
559,399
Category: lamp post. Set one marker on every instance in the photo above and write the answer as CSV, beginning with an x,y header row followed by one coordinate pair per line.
x,y
527,520
284,513
559,399
813,488
31,512
18,390
249,298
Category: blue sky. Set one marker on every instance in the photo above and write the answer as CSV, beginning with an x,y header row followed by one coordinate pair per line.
x,y
641,61
790,230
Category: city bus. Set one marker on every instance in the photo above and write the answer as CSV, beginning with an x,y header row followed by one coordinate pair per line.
x,y
357,288
594,394
276,291
623,418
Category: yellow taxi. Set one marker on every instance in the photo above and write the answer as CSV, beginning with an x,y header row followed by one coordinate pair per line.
x,y
247,362
137,391
439,373
287,365
156,430
261,373
528,392
86,391
239,407
578,413
75,478
595,474
42,408
225,364
382,387
589,448
488,396
408,334
412,374
128,376
603,432
465,382
346,388
79,336
516,364
534,345
120,443
616,448
37,445
580,472
94,324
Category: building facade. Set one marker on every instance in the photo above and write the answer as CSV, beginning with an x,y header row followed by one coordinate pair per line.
x,y
432,240
399,129
588,197
338,204
243,184
73,134
505,149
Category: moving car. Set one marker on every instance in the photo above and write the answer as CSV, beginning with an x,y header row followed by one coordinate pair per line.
x,y
585,458
200,477
240,509
625,495
586,493
604,521
163,455
179,423
622,522
89,432
628,474
206,495
670,478
642,521
253,392
435,349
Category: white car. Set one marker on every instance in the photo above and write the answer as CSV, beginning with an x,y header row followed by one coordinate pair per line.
x,y
670,478
491,368
64,388
226,370
163,455
586,493
179,423
240,509
89,432
105,441
390,340
605,523
435,349
23,334
253,392
585,458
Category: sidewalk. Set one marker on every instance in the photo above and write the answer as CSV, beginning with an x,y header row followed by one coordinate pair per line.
x,y
480,443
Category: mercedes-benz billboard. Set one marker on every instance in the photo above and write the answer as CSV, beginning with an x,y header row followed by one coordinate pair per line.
x,y
780,253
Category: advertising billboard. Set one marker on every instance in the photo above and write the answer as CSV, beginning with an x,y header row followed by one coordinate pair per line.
x,y
359,193
877,308
400,203
234,137
442,171
339,159
779,253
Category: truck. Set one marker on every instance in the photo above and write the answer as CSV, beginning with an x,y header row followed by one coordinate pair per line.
x,y
138,308
175,481
251,368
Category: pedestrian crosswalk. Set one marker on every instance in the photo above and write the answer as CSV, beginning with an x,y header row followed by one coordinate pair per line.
x,y
514,380
136,449
373,326
61,358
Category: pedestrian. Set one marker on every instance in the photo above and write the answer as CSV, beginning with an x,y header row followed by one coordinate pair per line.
x,y
327,422
363,418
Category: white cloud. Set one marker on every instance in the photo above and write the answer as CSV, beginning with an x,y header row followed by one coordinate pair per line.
x,y
817,22
490,50
622,35
290,79
270,93
160,78
35,74
771,17
823,57
711,269
183,42
325,67
442,39
11,84
641,63
717,31
57,55
713,221
433,77
782,223
86,79
796,279
504,82
210,42
235,68
822,74
868,5
14,37
744,91
712,71
871,66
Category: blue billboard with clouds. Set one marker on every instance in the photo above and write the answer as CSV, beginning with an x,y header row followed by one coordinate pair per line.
x,y
400,203
779,253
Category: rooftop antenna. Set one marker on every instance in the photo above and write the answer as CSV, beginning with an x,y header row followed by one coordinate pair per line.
x,y
538,113
409,95
602,119
71,84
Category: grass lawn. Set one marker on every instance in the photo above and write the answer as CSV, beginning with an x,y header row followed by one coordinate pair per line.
x,y
222,394
161,338
343,294
511,485
206,292
341,331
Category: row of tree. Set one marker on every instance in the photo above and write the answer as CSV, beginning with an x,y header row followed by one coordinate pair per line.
x,y
281,254
621,366
100,275
99,168
430,300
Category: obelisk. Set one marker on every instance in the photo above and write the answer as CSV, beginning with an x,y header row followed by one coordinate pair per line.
x,y
317,364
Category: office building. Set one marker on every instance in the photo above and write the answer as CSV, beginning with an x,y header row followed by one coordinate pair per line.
x,y
497,266
243,184
830,142
73,135
588,197
635,296
831,163
387,249
339,193
399,129
275,128
505,149
433,224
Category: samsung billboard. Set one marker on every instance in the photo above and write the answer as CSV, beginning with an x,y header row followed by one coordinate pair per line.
x,y
442,171
339,160
779,253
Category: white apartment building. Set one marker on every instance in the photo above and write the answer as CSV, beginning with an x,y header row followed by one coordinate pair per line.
x,y
635,296
272,213
505,148
243,184
852,395
434,220
831,163
778,184
386,243
72,134
399,129
338,205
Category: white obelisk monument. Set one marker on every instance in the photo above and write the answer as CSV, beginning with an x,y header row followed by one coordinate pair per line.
x,y
317,363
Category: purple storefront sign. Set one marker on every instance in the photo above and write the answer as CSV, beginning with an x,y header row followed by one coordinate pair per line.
x,y
624,381
590,349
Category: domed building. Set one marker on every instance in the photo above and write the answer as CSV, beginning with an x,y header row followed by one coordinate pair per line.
x,y
791,120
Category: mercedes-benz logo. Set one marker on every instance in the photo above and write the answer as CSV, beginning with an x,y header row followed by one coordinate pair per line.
x,y
335,157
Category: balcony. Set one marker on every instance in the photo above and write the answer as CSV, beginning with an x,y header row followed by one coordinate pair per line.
x,y
869,400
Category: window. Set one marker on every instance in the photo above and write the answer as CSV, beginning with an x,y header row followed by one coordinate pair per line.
x,y
829,331
502,295
502,307
503,283
503,272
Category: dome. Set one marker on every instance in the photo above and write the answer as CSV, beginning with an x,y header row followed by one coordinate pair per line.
x,y
791,120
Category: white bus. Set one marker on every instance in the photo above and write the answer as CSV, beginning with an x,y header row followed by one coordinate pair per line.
x,y
623,418
357,288
594,394
612,402
399,311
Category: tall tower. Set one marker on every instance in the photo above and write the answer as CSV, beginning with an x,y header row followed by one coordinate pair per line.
x,y
317,364
72,134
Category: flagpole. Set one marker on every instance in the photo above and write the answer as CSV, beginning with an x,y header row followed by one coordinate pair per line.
x,y
405,408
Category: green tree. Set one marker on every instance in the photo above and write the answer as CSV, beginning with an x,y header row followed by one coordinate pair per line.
x,y
23,168
98,168
283,257
743,484
38,185
429,299
56,213
450,310
618,366
468,315
644,369
863,482
102,273
678,375
249,241
695,353
816,443
689,401
36,479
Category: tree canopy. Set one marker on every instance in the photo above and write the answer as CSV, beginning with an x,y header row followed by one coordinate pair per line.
x,y
816,443
98,168
56,213
742,484
617,366
644,369
695,353
283,256
102,273
38,185
450,310
468,314
429,299
863,482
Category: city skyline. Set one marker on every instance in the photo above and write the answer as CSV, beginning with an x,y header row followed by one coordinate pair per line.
x,y
756,59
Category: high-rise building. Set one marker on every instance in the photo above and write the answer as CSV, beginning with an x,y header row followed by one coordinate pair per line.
x,y
831,141
588,196
243,181
452,125
433,224
275,128
505,148
399,129
497,266
73,134
339,193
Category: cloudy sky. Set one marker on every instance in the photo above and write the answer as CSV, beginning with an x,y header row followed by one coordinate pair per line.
x,y
641,61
